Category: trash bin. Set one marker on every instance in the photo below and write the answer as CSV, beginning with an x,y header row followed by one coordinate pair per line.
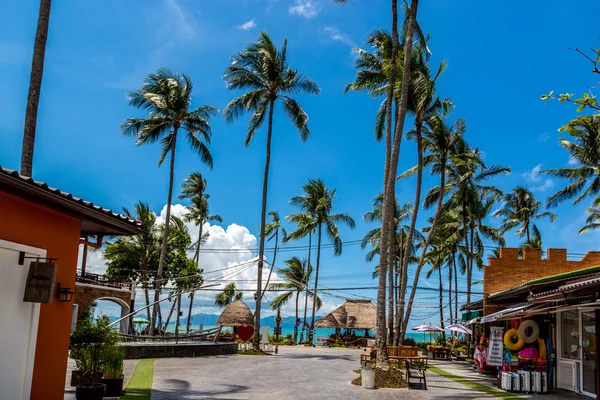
x,y
367,375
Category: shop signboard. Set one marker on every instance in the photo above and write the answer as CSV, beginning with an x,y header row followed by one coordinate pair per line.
x,y
39,287
495,348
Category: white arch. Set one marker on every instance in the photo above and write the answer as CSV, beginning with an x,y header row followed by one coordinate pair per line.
x,y
124,325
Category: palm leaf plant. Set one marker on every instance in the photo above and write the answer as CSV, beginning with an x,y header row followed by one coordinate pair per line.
x,y
263,72
317,200
167,97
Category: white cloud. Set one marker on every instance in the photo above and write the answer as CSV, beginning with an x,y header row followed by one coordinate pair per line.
x,y
547,184
178,20
235,262
572,161
246,26
336,35
304,8
534,174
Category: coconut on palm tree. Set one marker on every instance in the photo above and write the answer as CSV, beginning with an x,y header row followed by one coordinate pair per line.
x,y
296,280
521,208
263,72
168,98
317,200
35,86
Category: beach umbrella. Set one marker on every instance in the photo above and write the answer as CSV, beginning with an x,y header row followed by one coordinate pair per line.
x,y
429,328
420,329
140,320
460,328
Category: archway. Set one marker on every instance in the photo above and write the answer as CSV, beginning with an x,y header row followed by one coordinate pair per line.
x,y
124,324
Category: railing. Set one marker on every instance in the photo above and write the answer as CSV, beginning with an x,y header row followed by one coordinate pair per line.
x,y
200,336
101,280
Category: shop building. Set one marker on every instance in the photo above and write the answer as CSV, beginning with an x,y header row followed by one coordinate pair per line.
x,y
560,299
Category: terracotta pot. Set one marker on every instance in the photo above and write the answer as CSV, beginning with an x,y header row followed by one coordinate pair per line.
x,y
94,392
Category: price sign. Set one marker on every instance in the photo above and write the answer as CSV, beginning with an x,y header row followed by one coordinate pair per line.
x,y
495,348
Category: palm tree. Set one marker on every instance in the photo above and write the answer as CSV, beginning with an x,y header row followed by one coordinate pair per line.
x,y
592,222
194,188
317,200
228,295
440,141
296,280
535,242
520,208
35,86
372,238
263,70
135,253
168,97
584,151
306,226
272,231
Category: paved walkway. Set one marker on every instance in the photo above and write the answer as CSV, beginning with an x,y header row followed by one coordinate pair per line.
x,y
298,373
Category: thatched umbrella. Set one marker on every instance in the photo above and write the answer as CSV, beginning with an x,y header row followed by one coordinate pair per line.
x,y
353,314
235,314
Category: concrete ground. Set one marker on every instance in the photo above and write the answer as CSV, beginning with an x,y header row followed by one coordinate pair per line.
x,y
298,373
128,366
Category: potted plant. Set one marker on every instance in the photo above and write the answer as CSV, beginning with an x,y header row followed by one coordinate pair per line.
x,y
113,371
91,342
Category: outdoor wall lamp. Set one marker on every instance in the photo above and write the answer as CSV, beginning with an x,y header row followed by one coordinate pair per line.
x,y
63,294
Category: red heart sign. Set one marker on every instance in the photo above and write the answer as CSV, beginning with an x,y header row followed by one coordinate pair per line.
x,y
245,332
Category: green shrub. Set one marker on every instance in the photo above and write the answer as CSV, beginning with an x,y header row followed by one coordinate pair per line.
x,y
409,342
113,366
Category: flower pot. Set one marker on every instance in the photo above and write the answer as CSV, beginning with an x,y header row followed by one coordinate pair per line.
x,y
114,386
94,392
75,377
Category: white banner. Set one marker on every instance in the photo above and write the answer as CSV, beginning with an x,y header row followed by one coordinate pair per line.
x,y
496,346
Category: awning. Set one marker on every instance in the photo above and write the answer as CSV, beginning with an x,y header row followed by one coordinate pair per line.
x,y
505,313
472,321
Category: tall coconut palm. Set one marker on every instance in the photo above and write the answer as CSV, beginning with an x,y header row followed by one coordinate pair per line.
x,y
272,231
35,86
592,222
305,226
136,253
263,71
168,97
440,141
584,151
194,188
317,200
296,281
521,208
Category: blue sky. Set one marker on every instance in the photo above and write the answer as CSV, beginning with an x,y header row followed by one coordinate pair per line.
x,y
501,58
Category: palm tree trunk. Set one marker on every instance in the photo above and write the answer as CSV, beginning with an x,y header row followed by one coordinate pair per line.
x,y
528,238
455,285
197,259
263,217
449,265
163,249
296,321
441,301
273,263
434,224
388,198
470,270
308,267
467,252
314,308
35,86
178,315
397,323
390,299
170,314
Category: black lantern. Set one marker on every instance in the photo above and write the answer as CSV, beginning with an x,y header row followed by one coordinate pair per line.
x,y
63,294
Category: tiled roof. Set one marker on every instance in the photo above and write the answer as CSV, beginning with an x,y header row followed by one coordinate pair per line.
x,y
68,197
590,280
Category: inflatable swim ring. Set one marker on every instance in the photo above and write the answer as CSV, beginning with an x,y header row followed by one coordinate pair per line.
x,y
543,352
590,338
535,334
512,340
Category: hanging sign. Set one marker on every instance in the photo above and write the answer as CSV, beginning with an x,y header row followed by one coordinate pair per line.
x,y
39,287
495,346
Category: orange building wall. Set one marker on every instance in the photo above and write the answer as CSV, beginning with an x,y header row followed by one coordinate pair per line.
x,y
33,225
509,270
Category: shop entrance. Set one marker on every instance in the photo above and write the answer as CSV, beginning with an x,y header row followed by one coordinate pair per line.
x,y
588,352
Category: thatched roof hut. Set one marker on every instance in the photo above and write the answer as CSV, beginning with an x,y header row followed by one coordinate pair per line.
x,y
353,314
235,314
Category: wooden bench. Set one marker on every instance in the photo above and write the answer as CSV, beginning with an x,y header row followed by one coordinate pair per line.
x,y
441,352
415,372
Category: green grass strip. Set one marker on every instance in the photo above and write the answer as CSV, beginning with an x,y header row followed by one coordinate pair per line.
x,y
474,385
139,386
